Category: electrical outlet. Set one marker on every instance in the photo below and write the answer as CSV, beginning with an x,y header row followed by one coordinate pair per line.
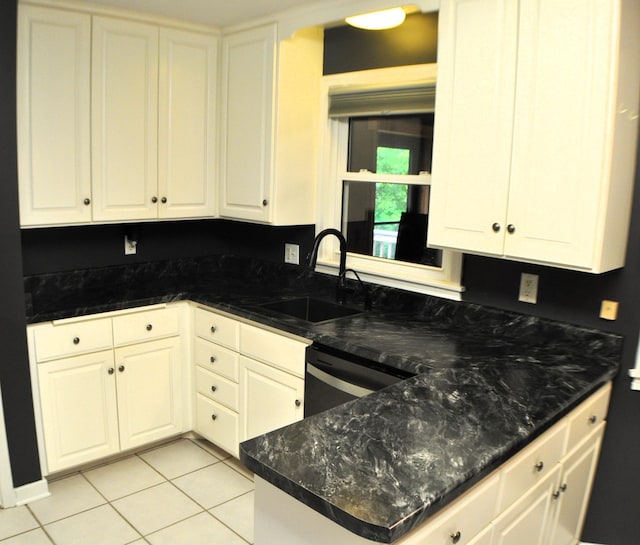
x,y
130,246
292,254
528,288
609,310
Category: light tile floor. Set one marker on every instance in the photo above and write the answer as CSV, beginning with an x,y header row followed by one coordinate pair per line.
x,y
186,492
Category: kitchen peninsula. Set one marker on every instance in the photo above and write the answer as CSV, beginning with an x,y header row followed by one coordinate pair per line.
x,y
487,384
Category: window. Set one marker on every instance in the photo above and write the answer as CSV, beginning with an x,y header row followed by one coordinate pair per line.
x,y
375,181
389,219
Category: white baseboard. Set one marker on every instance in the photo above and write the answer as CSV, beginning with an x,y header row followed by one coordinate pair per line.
x,y
32,491
585,543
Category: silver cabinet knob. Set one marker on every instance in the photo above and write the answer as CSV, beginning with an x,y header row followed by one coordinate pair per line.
x,y
496,227
298,402
511,228
163,200
455,537
539,466
121,368
87,202
111,370
76,340
149,327
213,329
213,388
154,200
212,359
214,416
265,202
593,419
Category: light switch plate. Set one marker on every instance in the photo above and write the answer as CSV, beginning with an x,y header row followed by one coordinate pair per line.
x,y
528,288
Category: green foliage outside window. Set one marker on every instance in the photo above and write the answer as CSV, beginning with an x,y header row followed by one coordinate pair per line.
x,y
391,199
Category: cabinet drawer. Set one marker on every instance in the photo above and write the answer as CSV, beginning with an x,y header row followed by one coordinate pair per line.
x,y
462,521
217,359
61,340
217,424
277,350
145,326
217,388
216,328
587,416
532,464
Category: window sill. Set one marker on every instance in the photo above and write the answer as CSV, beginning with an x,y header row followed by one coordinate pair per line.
x,y
437,288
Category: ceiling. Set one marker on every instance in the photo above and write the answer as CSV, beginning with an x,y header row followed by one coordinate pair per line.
x,y
213,12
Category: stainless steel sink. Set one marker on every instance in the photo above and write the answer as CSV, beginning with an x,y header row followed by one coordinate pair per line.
x,y
311,309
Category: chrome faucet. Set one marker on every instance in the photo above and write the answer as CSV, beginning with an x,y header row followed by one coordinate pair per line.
x,y
313,258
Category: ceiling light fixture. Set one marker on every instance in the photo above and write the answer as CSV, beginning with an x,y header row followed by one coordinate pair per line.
x,y
378,20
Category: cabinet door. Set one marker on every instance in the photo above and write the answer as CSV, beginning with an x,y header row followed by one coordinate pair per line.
x,y
248,69
53,108
578,471
560,129
186,137
149,391
125,120
526,522
269,398
472,139
79,410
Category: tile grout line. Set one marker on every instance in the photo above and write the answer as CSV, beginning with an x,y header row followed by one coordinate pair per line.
x,y
82,472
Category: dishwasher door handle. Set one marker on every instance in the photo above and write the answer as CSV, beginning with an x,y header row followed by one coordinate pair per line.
x,y
338,384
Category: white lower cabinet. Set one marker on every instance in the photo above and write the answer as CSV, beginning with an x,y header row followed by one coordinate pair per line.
x,y
106,384
524,523
270,398
249,380
78,399
149,401
578,471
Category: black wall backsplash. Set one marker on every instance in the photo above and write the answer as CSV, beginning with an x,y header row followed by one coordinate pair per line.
x,y
15,380
414,42
67,248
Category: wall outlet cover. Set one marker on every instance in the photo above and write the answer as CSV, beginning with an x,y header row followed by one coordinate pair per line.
x,y
528,288
292,254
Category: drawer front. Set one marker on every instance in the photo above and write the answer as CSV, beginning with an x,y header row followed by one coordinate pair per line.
x,y
532,464
217,388
277,350
462,521
588,416
217,359
218,424
145,326
62,340
218,329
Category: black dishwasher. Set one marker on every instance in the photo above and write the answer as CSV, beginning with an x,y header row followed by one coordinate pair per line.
x,y
334,377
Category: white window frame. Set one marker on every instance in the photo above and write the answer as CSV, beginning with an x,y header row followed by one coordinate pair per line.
x,y
444,281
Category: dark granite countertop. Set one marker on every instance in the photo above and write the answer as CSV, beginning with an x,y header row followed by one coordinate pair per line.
x,y
488,383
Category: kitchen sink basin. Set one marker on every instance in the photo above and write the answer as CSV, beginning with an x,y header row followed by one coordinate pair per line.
x,y
311,309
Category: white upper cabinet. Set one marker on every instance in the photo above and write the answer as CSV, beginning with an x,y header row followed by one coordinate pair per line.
x,y
53,114
125,119
116,118
186,132
270,96
536,130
